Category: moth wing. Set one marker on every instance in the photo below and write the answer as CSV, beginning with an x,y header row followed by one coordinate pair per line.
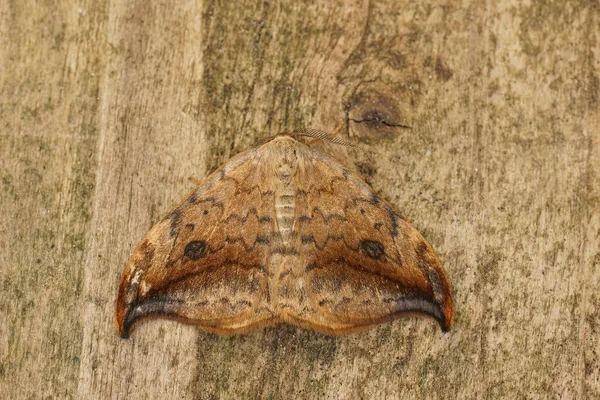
x,y
360,262
204,263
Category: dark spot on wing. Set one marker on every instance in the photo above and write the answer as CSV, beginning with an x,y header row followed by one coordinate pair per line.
x,y
394,217
372,248
262,239
196,249
284,274
304,218
307,239
174,218
374,198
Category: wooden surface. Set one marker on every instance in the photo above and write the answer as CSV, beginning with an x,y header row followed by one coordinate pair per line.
x,y
478,121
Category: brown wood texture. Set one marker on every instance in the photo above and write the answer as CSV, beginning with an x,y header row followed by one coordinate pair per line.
x,y
478,121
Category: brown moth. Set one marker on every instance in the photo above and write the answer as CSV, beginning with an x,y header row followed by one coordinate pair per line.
x,y
283,233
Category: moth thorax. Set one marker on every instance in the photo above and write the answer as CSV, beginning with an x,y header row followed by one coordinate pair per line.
x,y
287,163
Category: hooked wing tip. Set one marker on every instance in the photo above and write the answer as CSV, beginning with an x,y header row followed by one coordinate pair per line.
x,y
446,325
124,307
447,321
125,333
443,313
125,325
122,315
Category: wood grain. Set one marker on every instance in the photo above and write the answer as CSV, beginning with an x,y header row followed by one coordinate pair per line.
x,y
478,121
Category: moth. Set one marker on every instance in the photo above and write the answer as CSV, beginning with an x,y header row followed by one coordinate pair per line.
x,y
282,233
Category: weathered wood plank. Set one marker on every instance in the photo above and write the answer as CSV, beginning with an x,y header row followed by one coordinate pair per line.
x,y
478,121
49,79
